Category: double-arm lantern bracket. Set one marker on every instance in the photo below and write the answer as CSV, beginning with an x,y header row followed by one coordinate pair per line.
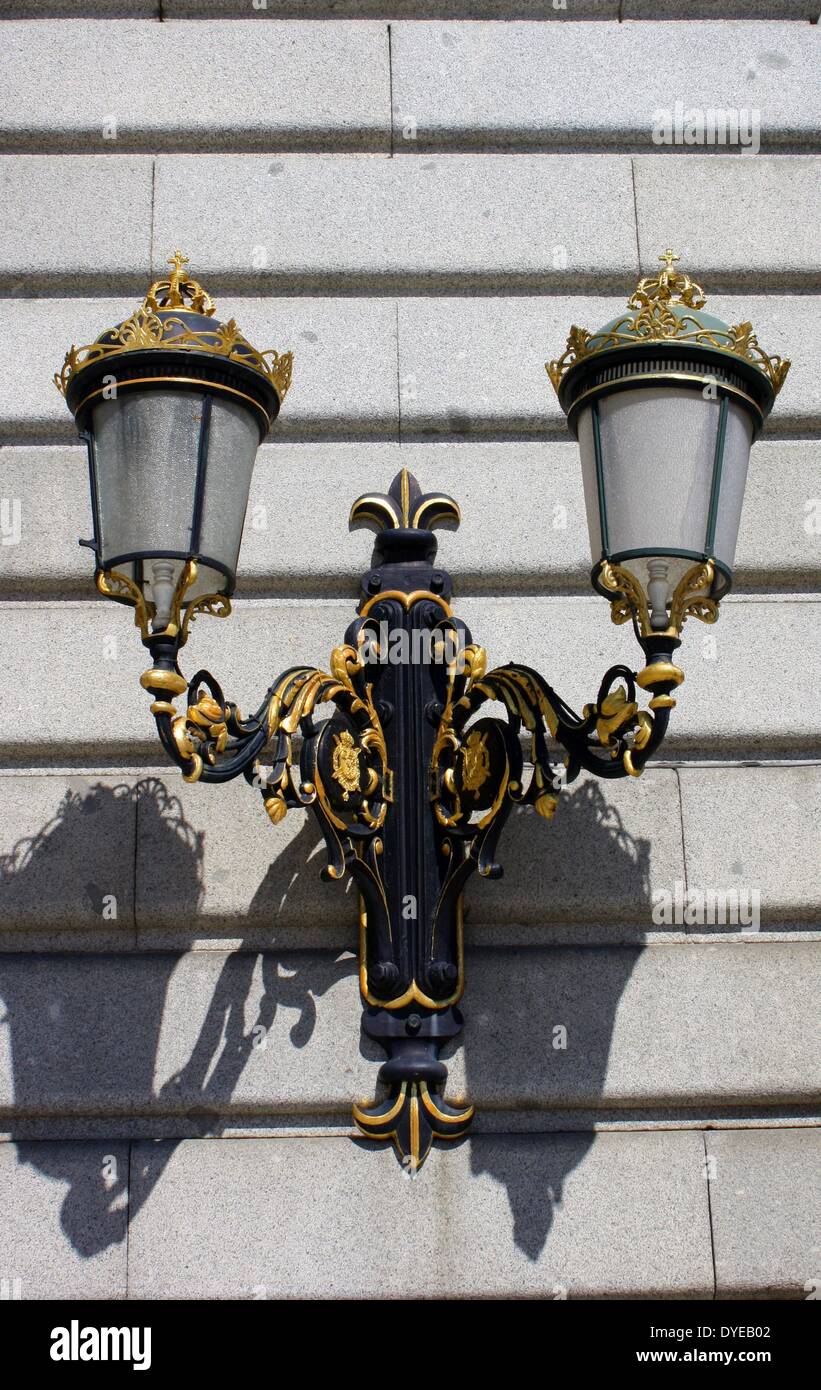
x,y
410,777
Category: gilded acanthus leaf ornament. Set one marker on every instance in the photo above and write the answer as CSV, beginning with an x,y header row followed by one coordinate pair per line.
x,y
665,308
154,326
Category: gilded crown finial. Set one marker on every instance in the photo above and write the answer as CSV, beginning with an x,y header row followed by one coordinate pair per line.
x,y
668,286
178,260
178,290
152,326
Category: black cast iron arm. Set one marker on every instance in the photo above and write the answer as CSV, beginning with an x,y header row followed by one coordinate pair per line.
x,y
212,742
612,738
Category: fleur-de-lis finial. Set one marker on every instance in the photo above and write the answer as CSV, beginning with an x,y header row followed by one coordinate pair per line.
x,y
404,506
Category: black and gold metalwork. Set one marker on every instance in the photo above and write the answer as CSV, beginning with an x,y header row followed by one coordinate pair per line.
x,y
411,776
171,344
176,316
667,312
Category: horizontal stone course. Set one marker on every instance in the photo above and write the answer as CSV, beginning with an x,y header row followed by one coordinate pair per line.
x,y
191,885
344,377
466,367
43,240
81,9
755,828
301,86
411,224
740,220
211,1034
527,85
449,220
538,541
497,9
765,1211
501,1216
543,1197
67,857
387,9
293,85
63,1220
708,9
93,651
418,9
476,366
260,886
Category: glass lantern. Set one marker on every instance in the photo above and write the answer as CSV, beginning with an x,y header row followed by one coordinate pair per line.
x,y
173,406
665,401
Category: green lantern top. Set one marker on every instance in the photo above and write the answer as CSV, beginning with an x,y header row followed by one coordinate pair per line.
x,y
666,308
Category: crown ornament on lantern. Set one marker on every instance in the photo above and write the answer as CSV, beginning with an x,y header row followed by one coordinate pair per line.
x,y
173,291
177,314
668,307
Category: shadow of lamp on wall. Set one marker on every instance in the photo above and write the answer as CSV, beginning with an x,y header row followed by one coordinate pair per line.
x,y
411,783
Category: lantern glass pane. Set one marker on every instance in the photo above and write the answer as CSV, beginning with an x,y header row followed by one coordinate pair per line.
x,y
145,445
658,450
737,443
232,446
587,449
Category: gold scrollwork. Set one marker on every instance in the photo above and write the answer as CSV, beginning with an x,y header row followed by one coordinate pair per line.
x,y
151,326
294,699
654,321
113,584
615,714
630,601
691,598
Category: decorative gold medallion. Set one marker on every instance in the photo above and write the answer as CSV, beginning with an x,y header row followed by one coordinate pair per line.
x,y
345,763
476,762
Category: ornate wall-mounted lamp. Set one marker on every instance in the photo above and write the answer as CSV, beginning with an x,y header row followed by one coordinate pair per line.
x,y
410,789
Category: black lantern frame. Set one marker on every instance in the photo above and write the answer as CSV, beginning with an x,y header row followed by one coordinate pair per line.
x,y
681,365
171,343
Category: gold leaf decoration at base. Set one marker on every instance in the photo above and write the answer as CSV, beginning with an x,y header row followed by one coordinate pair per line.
x,y
631,601
691,598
